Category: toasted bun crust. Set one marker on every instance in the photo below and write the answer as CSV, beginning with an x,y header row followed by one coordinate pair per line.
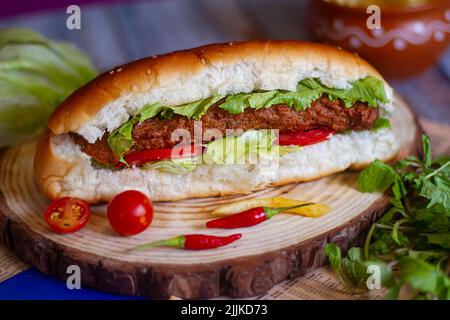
x,y
185,76
63,170
48,167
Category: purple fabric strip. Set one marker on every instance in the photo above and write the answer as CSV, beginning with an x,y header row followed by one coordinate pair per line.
x,y
16,7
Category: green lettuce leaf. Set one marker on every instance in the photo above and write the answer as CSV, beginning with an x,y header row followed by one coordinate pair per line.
x,y
197,109
194,110
151,110
250,147
258,100
177,166
36,74
239,149
236,103
370,90
120,140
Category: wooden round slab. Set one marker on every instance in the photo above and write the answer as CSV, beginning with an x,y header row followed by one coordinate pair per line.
x,y
286,247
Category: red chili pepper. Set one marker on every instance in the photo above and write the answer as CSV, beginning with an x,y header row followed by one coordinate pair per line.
x,y
192,242
249,217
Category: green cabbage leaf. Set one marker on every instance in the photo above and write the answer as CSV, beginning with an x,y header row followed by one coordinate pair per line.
x,y
252,146
36,74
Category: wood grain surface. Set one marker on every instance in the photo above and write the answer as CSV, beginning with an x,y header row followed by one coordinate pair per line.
x,y
285,247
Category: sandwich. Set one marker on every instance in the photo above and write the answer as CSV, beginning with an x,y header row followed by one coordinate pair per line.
x,y
168,125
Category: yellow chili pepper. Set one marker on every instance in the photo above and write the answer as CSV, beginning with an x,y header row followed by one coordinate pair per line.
x,y
312,211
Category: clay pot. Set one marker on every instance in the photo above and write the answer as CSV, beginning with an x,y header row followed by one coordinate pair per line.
x,y
410,40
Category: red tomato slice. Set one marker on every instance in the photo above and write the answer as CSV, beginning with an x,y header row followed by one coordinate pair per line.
x,y
130,212
66,215
142,157
305,138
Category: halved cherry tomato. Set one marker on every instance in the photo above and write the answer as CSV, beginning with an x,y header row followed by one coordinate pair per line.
x,y
66,215
130,212
142,157
305,138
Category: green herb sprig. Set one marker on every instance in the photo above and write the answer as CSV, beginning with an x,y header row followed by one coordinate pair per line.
x,y
411,242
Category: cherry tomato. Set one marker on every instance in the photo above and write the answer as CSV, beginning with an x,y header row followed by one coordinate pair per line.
x,y
305,138
66,215
142,157
130,212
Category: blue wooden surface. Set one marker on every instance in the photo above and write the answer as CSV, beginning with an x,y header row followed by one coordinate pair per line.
x,y
117,33
33,285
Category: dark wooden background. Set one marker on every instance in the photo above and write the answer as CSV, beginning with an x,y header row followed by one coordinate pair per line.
x,y
119,32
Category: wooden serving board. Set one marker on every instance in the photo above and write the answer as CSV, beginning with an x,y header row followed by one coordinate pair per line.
x,y
284,247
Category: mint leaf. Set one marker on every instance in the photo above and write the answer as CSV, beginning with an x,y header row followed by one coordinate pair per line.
x,y
426,150
399,238
427,255
356,268
353,270
382,243
398,191
408,161
424,277
333,253
378,176
437,193
433,219
440,239
414,235
443,163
